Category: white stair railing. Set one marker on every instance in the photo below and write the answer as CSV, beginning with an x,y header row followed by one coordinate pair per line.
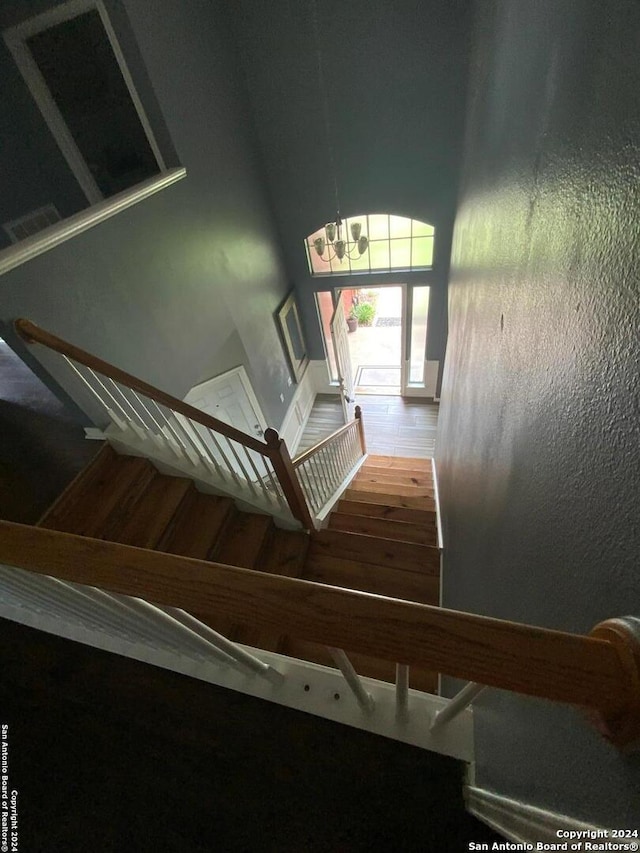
x,y
145,420
328,466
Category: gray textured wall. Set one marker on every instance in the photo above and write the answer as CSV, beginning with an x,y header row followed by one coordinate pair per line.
x,y
540,420
395,74
181,285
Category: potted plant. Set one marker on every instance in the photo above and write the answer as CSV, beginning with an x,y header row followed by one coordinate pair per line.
x,y
364,313
352,321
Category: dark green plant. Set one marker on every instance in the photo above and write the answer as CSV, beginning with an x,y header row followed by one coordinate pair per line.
x,y
364,313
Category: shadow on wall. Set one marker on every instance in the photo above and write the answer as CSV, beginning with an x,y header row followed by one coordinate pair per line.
x,y
44,446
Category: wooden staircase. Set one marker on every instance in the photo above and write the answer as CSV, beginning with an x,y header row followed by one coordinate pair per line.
x,y
381,538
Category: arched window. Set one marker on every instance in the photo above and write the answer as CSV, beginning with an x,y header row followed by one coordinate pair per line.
x,y
394,243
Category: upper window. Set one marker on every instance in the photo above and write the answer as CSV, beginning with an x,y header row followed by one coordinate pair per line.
x,y
393,243
72,63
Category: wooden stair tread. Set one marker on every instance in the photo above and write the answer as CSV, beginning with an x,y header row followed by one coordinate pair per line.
x,y
243,540
396,478
354,574
286,553
197,526
398,462
390,553
383,670
155,510
404,531
424,502
109,490
396,513
396,489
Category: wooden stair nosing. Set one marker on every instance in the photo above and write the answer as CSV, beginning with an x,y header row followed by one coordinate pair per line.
x,y
391,553
386,499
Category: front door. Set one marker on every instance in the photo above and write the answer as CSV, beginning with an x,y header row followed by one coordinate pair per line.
x,y
343,359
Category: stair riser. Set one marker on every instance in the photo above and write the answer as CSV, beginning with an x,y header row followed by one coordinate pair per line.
x,y
377,551
402,531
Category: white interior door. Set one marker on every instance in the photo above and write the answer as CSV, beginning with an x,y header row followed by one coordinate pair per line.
x,y
230,398
343,359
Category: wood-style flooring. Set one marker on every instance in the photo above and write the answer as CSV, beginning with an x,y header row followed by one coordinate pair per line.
x,y
394,426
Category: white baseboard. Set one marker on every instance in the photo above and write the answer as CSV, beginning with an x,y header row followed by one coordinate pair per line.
x,y
320,378
428,389
526,824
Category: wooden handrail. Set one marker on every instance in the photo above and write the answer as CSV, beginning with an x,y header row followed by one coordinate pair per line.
x,y
600,672
300,460
31,333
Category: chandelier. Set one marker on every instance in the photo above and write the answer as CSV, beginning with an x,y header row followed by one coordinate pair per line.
x,y
336,246
333,246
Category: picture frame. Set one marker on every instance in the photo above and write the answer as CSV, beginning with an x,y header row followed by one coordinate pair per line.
x,y
290,328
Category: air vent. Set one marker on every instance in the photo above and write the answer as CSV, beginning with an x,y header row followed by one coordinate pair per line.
x,y
29,224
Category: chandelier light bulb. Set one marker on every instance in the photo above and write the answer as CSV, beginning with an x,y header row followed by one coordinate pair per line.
x,y
318,245
356,230
330,231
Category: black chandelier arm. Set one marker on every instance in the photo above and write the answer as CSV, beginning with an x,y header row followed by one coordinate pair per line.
x,y
347,254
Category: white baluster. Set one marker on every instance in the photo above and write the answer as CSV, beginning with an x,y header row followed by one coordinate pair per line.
x,y
364,699
402,690
456,705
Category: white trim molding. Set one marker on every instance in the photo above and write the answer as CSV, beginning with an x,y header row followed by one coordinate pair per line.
x,y
16,40
41,242
526,824
436,500
298,412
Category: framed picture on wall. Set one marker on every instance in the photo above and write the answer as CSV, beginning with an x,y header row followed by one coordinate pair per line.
x,y
292,337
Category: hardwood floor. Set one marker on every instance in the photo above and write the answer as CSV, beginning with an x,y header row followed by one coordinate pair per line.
x,y
393,426
325,418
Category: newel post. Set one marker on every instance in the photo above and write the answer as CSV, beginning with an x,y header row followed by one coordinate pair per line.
x,y
363,441
622,727
286,474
